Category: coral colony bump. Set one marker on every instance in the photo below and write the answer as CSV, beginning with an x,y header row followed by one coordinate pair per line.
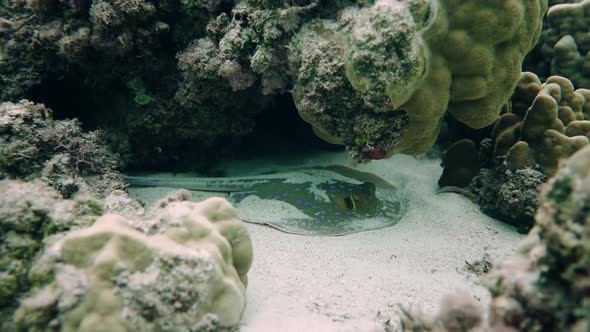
x,y
294,165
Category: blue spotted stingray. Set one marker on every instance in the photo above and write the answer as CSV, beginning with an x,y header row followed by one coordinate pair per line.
x,y
325,201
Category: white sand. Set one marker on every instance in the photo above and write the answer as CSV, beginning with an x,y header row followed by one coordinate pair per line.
x,y
356,282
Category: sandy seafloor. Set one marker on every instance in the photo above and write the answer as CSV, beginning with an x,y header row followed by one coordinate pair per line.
x,y
357,282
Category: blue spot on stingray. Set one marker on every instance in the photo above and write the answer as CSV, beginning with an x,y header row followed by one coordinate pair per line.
x,y
297,189
337,213
285,194
307,203
299,202
277,196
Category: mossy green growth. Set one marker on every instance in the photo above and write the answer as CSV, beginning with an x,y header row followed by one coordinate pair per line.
x,y
8,288
561,189
381,55
194,4
142,96
342,110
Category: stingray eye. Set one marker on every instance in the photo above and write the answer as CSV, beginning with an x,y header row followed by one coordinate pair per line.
x,y
350,203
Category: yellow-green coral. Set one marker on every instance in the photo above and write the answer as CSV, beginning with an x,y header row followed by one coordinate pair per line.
x,y
484,47
554,126
416,59
565,42
191,262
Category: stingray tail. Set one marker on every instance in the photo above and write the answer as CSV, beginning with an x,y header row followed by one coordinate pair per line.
x,y
200,184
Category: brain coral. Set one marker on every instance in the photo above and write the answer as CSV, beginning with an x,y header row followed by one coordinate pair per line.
x,y
545,288
189,263
406,63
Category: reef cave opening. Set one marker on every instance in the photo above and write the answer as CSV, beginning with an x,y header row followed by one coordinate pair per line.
x,y
280,130
71,97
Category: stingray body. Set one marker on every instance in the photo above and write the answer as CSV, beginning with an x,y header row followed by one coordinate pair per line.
x,y
324,201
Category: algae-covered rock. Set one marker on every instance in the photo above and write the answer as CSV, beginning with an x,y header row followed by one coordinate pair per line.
x,y
392,62
511,196
190,263
344,105
112,64
545,287
29,213
167,74
34,145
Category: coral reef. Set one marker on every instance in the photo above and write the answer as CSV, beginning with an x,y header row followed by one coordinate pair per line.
x,y
563,48
113,64
374,76
393,57
511,196
183,270
43,37
553,127
545,287
326,98
33,145
29,213
247,48
547,122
